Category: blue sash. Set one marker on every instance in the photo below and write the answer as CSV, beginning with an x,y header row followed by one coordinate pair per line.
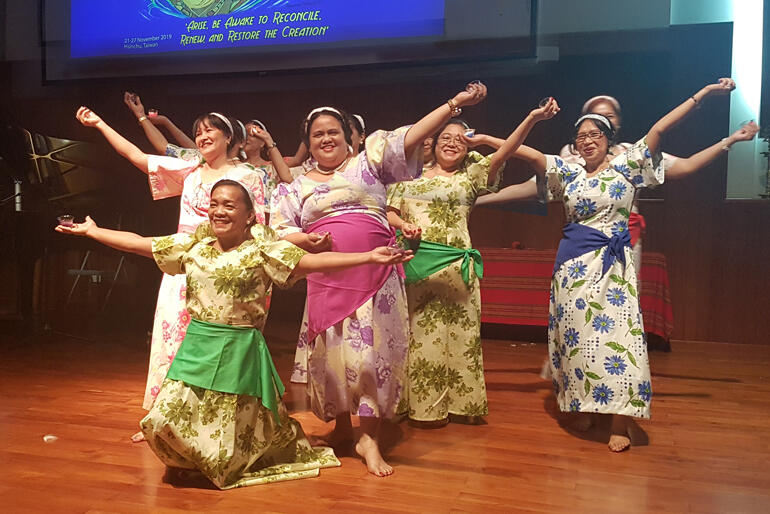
x,y
580,239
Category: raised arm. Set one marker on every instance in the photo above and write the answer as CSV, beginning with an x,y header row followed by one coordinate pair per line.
x,y
154,136
122,145
683,167
670,120
299,156
178,134
280,166
123,241
427,126
514,141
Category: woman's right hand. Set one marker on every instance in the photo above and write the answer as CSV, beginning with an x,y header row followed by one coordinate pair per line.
x,y
546,112
411,231
318,243
474,93
78,229
87,117
134,103
724,86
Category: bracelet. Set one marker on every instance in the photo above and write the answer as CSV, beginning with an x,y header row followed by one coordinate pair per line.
x,y
697,103
140,120
725,144
270,147
453,109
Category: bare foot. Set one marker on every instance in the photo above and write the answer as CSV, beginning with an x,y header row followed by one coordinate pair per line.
x,y
581,421
367,448
619,439
138,437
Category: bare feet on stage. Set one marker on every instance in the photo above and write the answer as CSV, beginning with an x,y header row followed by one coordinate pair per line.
x,y
581,421
369,450
619,438
137,437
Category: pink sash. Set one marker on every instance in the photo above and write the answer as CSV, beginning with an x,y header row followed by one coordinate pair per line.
x,y
332,297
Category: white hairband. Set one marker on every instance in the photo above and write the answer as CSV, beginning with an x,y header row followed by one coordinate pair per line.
x,y
261,125
227,122
601,98
321,109
243,129
246,188
598,117
361,121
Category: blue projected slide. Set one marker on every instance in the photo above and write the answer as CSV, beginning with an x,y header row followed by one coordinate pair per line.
x,y
140,27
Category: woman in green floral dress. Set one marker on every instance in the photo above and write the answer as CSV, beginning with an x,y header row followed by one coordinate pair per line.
x,y
446,370
220,410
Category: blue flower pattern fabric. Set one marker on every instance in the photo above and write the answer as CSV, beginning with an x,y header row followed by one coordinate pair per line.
x,y
596,342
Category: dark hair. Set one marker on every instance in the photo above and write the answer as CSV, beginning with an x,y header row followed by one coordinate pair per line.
x,y
244,193
216,122
608,131
344,120
452,121
356,123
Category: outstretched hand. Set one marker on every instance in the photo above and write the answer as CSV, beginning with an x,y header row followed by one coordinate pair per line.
x,y
548,111
87,117
724,86
746,132
383,255
134,103
474,93
411,231
78,229
319,242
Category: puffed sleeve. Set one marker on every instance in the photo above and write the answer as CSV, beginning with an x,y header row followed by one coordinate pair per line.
x,y
169,251
286,208
639,166
477,167
252,179
280,257
384,152
188,154
558,175
166,175
395,195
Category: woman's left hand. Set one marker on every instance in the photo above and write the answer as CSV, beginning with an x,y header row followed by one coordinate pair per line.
x,y
546,112
411,231
77,229
264,135
745,133
382,255
474,93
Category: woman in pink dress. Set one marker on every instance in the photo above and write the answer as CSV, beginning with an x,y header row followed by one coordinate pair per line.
x,y
191,180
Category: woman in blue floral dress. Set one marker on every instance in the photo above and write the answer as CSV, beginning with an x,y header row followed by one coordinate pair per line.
x,y
598,354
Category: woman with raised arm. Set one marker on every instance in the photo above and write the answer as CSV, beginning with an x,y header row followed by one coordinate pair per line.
x,y
220,409
352,348
262,152
446,369
191,181
596,339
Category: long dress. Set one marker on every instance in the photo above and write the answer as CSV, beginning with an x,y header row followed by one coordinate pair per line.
x,y
446,368
234,439
596,342
358,364
168,177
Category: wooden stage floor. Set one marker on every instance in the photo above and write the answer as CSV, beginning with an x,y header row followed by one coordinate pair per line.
x,y
707,448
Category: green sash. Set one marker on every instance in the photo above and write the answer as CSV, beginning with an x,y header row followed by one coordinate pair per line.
x,y
430,258
228,359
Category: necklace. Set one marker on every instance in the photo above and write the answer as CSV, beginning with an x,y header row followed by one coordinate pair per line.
x,y
335,170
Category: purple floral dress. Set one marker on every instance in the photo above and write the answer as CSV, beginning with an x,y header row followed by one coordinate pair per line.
x,y
357,365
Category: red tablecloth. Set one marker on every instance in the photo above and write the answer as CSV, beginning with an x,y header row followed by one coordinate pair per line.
x,y
516,284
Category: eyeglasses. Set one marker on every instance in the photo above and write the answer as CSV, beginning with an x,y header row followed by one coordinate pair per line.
x,y
595,135
446,139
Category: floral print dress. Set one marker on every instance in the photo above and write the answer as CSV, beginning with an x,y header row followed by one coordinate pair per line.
x,y
596,342
168,177
446,369
233,439
357,365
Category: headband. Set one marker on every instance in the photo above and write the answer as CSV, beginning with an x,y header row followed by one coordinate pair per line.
x,y
257,122
604,98
243,129
321,109
361,121
224,119
249,192
598,117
